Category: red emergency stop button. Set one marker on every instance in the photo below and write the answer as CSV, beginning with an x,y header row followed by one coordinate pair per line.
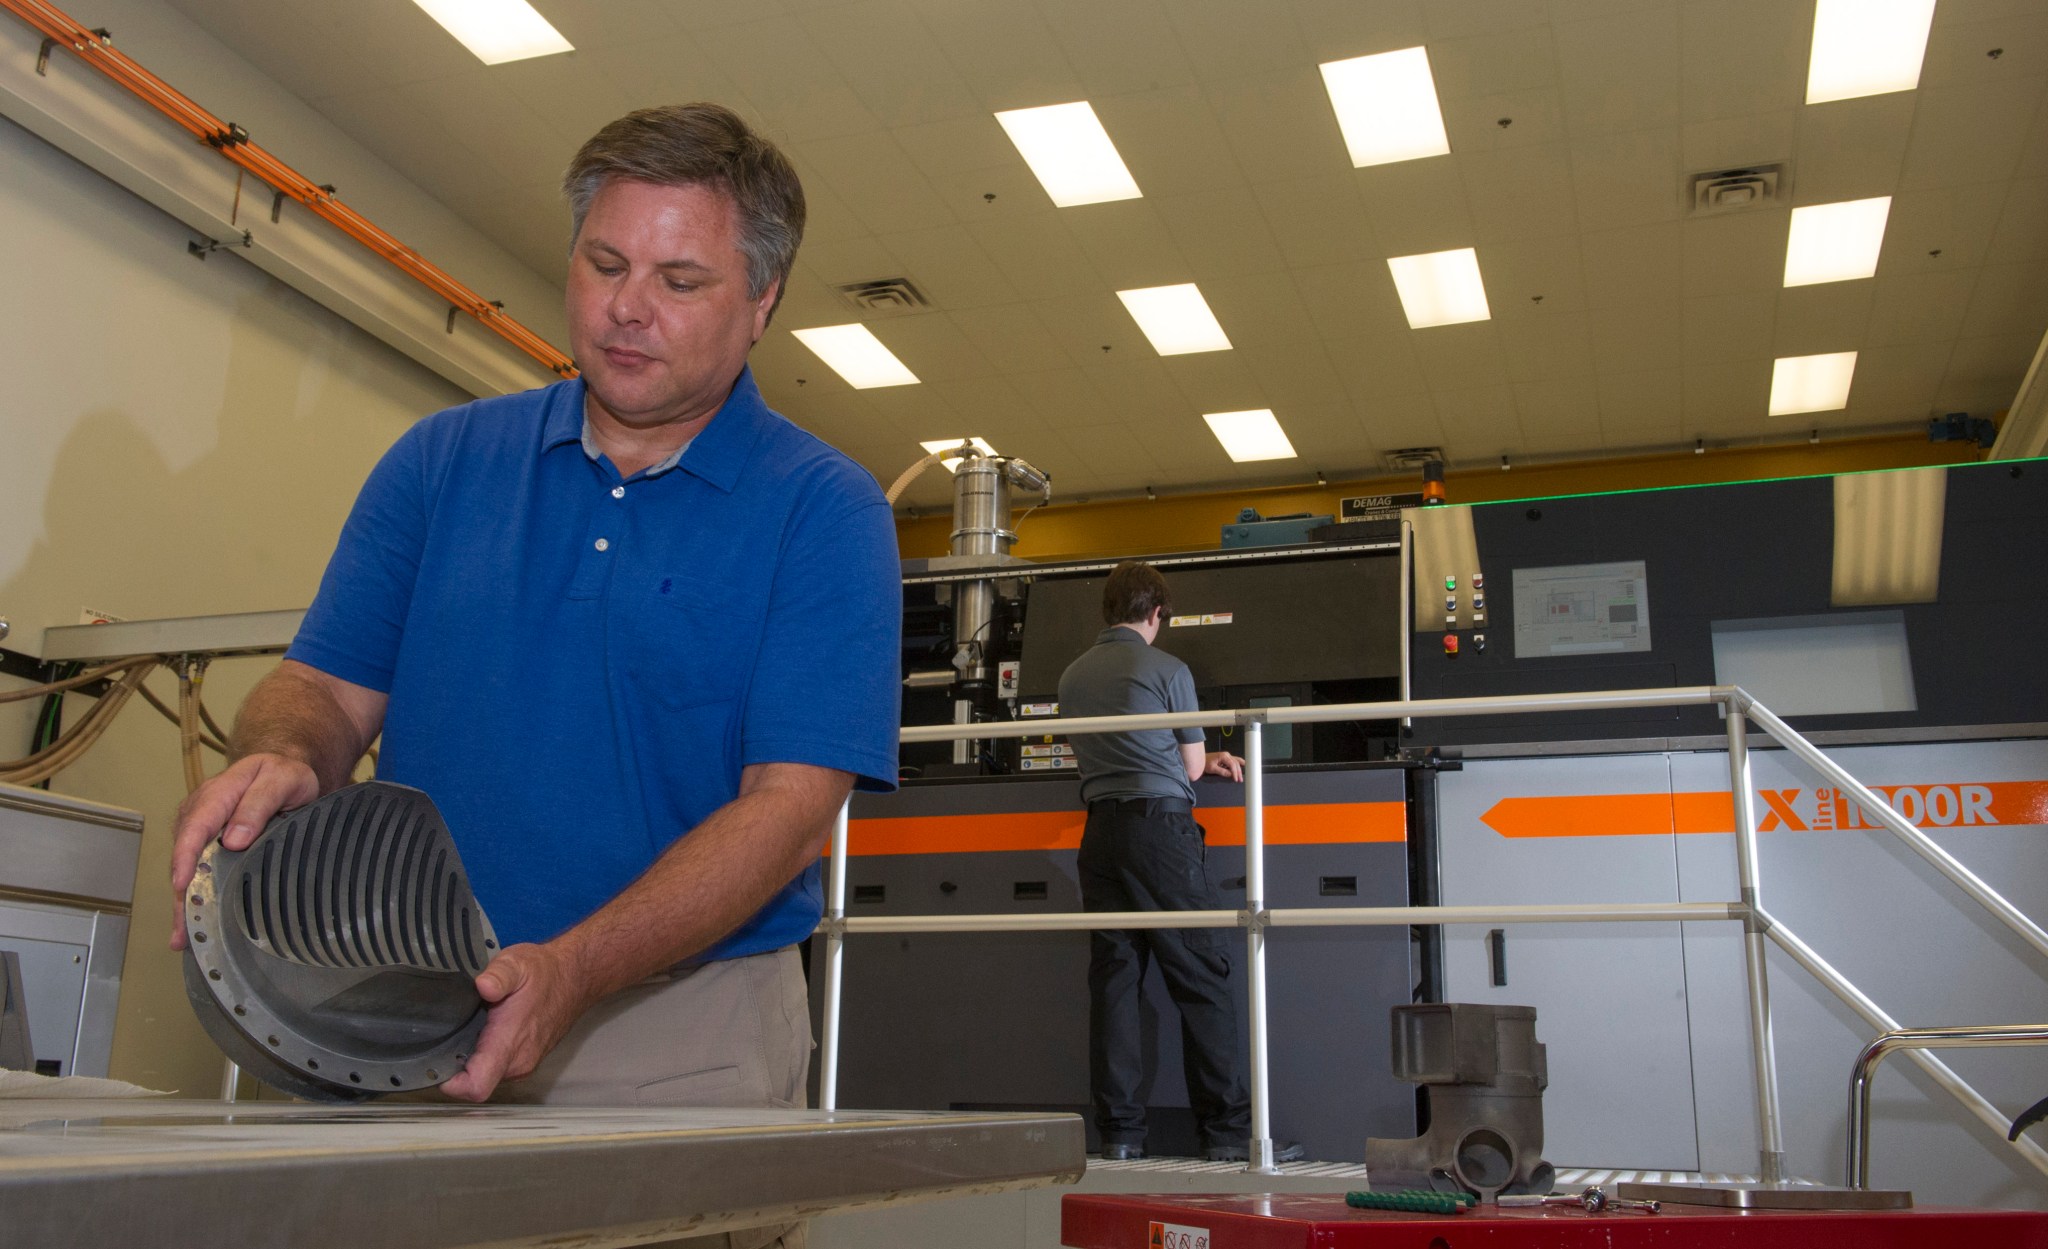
x,y
1450,643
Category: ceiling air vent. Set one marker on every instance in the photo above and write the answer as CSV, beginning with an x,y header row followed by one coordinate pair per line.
x,y
884,295
1409,458
1729,190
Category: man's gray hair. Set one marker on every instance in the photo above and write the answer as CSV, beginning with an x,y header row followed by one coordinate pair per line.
x,y
701,145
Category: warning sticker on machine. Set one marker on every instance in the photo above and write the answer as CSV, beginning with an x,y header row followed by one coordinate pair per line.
x,y
1039,709
1182,622
1046,752
1042,765
1175,1236
1217,617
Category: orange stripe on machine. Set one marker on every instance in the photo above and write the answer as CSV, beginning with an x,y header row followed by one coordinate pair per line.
x,y
1942,805
1300,824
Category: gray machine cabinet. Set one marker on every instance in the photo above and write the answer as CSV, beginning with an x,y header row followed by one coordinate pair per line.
x,y
999,1021
1647,1025
67,874
1609,998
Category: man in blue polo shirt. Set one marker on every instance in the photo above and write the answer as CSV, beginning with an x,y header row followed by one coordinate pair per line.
x,y
634,633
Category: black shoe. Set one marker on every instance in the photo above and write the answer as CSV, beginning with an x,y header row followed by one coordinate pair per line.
x,y
1283,1151
1122,1151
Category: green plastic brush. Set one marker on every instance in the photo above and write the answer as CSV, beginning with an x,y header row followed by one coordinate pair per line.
x,y
1412,1201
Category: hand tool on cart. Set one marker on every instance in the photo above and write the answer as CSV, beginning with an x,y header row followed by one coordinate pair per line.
x,y
1593,1201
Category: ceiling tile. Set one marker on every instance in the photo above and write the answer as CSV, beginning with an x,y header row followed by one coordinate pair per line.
x,y
1345,301
1641,410
1012,337
1739,142
1128,245
1137,390
1724,328
521,145
799,93
1974,133
1461,355
1460,19
1094,329
1226,38
1958,223
861,258
1112,448
1296,374
398,39
1260,311
2022,232
1533,118
2009,299
1984,374
1379,369
1216,381
1546,344
1825,318
1558,416
1062,398
1627,266
1519,193
949,266
1280,124
1898,383
1400,421
1743,57
883,53
1630,337
1220,233
1416,206
931,346
876,181
1852,149
1003,51
971,145
1478,423
1502,57
1118,49
1725,398
1735,252
1038,255
1318,221
984,407
1912,308
1542,273
1170,141
1336,30
575,101
1620,72
1957,50
1627,179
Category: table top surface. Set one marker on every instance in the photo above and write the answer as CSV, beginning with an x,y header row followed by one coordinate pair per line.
x,y
425,1176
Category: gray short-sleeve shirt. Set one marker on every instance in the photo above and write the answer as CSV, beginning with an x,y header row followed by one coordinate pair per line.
x,y
1123,675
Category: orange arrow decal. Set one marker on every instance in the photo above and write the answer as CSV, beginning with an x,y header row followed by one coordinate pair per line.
x,y
1939,805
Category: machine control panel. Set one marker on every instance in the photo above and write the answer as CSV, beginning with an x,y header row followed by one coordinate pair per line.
x,y
1469,614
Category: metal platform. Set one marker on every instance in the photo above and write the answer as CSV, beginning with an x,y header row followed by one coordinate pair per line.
x,y
161,1173
1296,1221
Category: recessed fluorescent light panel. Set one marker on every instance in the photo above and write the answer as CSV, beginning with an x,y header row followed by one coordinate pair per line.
x,y
1836,242
1176,318
1866,47
1440,288
952,465
1071,153
1249,436
856,355
1811,383
1386,107
497,30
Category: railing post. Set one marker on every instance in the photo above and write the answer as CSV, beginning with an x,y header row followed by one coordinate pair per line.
x,y
835,954
1259,1156
1763,1054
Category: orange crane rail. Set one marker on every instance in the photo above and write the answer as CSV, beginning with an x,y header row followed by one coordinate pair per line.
x,y
232,141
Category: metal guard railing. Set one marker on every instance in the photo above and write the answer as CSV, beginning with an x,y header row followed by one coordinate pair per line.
x,y
1758,925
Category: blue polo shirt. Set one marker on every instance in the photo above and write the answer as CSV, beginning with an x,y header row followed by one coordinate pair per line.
x,y
580,664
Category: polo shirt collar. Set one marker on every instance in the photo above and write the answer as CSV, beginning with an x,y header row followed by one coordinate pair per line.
x,y
1117,633
717,454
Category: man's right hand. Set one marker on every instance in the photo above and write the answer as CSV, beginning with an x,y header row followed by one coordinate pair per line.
x,y
234,807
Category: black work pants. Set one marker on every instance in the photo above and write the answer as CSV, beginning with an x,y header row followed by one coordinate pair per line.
x,y
1136,857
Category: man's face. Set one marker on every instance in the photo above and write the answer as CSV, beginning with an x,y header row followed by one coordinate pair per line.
x,y
660,320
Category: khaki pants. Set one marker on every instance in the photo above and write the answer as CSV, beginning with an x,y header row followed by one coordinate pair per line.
x,y
734,1033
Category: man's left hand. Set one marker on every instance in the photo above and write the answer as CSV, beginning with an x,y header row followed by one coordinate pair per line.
x,y
1223,763
534,998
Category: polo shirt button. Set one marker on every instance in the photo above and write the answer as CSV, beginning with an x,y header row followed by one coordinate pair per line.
x,y
618,492
604,544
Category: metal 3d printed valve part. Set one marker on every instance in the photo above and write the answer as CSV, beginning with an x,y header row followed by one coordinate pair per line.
x,y
336,957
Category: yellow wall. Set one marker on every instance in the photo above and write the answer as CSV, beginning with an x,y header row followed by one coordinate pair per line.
x,y
1195,521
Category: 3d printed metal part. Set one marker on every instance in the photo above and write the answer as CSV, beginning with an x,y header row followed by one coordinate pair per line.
x,y
335,958
1486,1074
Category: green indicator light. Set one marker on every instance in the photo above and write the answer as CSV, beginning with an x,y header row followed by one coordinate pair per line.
x,y
1450,583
